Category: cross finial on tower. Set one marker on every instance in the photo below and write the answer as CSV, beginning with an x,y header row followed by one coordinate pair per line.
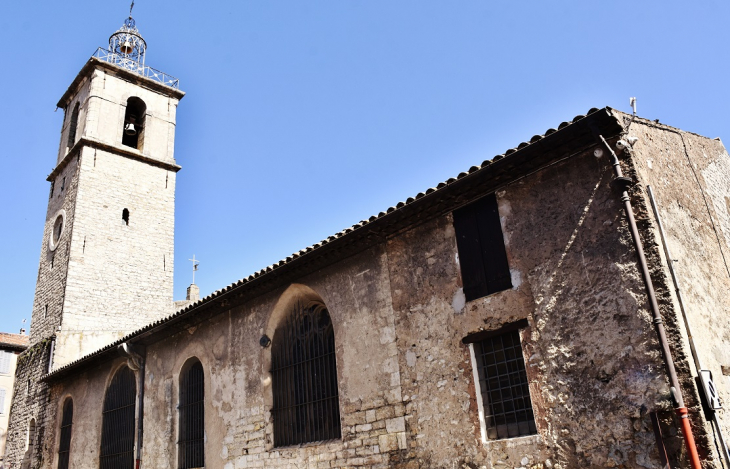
x,y
196,263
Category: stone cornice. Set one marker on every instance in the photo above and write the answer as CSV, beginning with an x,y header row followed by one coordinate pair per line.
x,y
117,150
124,74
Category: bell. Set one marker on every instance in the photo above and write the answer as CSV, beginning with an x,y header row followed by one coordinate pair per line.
x,y
129,129
126,47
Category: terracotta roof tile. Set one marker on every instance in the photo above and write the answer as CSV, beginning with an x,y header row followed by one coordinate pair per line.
x,y
304,252
16,341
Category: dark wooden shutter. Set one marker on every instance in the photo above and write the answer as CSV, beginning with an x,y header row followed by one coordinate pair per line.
x,y
482,255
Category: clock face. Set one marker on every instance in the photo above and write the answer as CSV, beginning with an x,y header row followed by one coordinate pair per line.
x,y
57,229
59,224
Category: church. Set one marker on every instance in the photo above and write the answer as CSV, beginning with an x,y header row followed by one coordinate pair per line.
x,y
561,305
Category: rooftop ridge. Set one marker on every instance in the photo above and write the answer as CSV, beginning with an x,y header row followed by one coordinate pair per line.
x,y
314,247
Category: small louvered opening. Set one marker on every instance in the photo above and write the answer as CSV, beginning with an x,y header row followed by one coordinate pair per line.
x,y
72,125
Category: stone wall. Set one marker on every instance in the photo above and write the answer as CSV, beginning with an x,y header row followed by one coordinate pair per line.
x,y
103,101
120,275
53,264
407,394
30,402
690,178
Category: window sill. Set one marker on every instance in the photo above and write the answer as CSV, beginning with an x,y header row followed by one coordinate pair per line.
x,y
518,441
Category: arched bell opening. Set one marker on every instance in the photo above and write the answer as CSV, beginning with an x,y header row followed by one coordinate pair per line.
x,y
134,120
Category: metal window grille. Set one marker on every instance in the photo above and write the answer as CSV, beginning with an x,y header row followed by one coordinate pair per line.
x,y
504,388
64,445
191,451
304,371
117,433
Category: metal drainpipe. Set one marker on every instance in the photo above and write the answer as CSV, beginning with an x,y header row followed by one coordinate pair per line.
x,y
698,365
136,362
679,408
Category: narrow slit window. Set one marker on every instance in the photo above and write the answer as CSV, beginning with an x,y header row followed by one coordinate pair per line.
x,y
72,126
30,444
503,386
125,216
117,432
482,254
134,121
304,373
191,442
64,446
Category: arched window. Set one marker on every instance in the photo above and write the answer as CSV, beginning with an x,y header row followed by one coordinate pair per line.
x,y
117,428
133,131
72,125
192,419
29,446
125,216
304,373
64,446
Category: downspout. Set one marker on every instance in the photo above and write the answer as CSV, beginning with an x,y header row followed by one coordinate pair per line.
x,y
679,407
709,409
136,361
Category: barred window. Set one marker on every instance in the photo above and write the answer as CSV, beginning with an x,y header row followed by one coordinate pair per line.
x,y
65,444
192,421
117,432
304,372
503,386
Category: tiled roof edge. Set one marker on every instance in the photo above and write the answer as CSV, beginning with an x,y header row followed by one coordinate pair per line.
x,y
313,248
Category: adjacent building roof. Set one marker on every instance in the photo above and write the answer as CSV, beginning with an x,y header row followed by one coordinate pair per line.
x,y
13,341
570,138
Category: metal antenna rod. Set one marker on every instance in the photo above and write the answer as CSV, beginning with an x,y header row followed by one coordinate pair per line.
x,y
130,8
196,263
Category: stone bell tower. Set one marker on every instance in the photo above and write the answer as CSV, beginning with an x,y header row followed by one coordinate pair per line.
x,y
106,264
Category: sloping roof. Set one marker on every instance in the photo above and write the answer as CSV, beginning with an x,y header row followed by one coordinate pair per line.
x,y
568,139
13,341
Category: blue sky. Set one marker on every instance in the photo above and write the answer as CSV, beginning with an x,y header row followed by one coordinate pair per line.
x,y
304,117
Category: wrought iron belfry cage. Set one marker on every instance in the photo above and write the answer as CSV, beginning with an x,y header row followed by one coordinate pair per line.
x,y
129,45
127,49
